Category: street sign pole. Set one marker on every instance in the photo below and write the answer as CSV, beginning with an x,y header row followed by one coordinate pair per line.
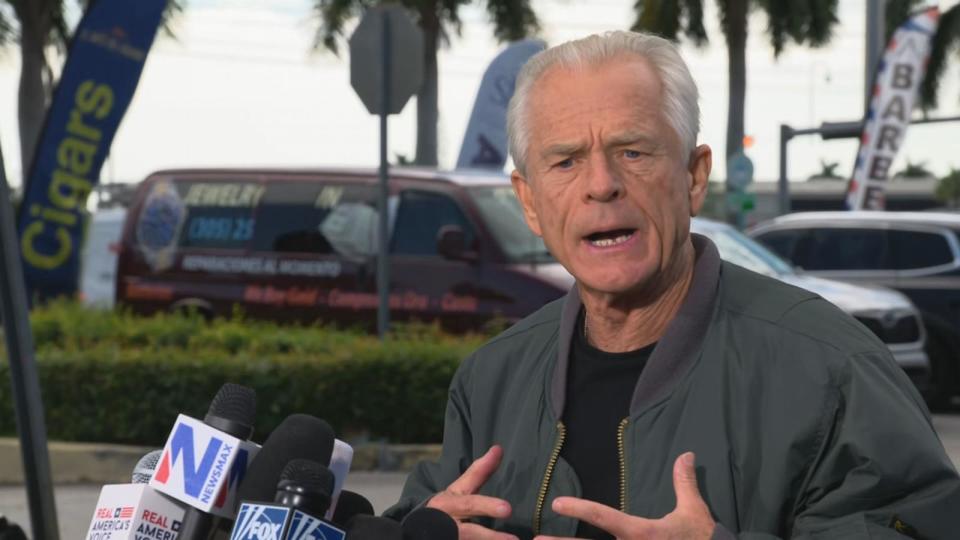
x,y
386,67
23,371
383,268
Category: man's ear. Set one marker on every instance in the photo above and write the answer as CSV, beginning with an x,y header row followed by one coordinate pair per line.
x,y
701,161
525,194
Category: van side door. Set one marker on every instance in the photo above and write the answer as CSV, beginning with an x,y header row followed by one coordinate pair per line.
x,y
425,285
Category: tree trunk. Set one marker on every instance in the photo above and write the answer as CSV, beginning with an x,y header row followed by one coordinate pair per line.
x,y
737,67
427,110
32,96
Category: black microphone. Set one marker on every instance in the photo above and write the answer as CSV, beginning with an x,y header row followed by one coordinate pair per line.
x,y
299,436
351,504
10,530
429,524
363,527
301,497
221,441
305,485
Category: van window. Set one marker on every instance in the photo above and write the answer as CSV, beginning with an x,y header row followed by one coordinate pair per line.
x,y
502,213
917,249
219,214
283,217
419,219
844,249
782,242
325,219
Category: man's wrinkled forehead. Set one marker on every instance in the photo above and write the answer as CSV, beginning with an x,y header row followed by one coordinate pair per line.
x,y
565,94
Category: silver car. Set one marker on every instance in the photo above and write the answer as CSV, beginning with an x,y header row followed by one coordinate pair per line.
x,y
887,313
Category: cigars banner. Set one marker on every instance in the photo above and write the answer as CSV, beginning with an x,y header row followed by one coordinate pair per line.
x,y
99,78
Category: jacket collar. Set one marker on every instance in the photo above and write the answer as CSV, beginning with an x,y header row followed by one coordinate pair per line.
x,y
675,352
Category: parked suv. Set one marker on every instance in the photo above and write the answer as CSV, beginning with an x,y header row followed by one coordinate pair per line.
x,y
917,253
875,307
301,245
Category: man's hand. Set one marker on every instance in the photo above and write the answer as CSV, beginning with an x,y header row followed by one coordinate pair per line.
x,y
461,502
691,518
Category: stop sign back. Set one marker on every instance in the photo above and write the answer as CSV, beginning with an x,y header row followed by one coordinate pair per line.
x,y
386,29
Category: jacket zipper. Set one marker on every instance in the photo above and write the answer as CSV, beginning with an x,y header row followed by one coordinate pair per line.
x,y
542,496
621,452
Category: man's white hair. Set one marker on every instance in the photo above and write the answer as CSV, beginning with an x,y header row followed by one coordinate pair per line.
x,y
679,91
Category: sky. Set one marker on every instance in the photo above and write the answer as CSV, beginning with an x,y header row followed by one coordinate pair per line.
x,y
241,86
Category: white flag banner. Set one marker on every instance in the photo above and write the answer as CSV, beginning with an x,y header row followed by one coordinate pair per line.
x,y
894,91
485,143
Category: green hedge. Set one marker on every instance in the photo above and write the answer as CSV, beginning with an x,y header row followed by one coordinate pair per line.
x,y
113,377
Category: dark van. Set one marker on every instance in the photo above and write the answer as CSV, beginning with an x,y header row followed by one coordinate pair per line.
x,y
301,245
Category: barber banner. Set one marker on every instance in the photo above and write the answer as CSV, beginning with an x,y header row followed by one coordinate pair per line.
x,y
99,78
485,144
894,91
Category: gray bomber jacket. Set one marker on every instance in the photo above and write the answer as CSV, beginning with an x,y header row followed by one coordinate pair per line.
x,y
803,425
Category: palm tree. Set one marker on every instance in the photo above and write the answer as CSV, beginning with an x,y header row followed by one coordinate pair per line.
x,y
945,41
37,25
512,20
807,22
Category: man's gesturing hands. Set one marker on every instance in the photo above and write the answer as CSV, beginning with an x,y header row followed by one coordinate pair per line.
x,y
461,502
691,518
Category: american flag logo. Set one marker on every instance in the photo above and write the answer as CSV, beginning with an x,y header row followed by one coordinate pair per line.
x,y
126,512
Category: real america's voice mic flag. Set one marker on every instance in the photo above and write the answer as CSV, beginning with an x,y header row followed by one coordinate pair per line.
x,y
894,91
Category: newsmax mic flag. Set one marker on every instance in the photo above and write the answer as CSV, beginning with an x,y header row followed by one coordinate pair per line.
x,y
894,91
99,78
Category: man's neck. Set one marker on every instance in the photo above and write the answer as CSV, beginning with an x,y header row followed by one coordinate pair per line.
x,y
622,324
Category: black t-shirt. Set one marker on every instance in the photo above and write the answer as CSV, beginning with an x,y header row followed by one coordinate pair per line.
x,y
599,389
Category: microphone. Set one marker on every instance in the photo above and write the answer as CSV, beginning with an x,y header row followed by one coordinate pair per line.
x,y
373,528
302,495
299,436
340,461
350,505
135,511
429,524
203,463
10,530
143,470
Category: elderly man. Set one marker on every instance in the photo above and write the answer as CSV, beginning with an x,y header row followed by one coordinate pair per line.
x,y
669,394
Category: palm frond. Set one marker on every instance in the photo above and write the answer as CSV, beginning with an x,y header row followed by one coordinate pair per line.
x,y
667,18
807,22
450,18
8,31
944,43
333,14
895,13
173,9
512,19
823,17
694,28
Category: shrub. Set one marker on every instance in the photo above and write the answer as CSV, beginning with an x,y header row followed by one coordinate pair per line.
x,y
114,377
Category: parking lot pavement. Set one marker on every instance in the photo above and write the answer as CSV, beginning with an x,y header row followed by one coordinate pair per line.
x,y
75,503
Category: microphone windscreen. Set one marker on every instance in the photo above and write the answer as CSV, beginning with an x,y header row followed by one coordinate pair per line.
x,y
299,436
233,410
373,528
429,524
349,505
310,476
143,470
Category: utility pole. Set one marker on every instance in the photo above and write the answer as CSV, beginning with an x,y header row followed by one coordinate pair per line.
x,y
873,46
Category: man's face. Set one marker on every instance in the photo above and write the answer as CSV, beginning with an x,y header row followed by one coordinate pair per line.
x,y
607,184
